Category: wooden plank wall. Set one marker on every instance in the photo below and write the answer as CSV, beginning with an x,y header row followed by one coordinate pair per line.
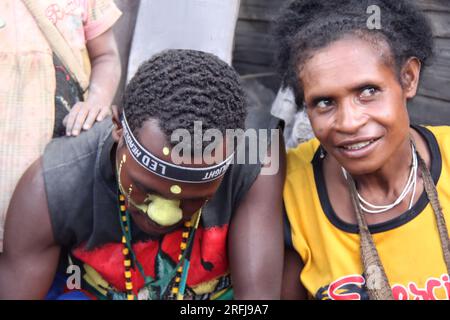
x,y
432,104
253,54
254,50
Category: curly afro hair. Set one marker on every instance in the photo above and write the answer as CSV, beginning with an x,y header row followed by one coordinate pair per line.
x,y
305,26
178,87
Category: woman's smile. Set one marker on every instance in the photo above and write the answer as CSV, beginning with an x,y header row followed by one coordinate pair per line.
x,y
358,148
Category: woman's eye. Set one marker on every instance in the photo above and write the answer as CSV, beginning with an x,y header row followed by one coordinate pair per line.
x,y
368,92
324,103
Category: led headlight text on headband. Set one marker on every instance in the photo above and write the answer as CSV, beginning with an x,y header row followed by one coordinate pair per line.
x,y
168,170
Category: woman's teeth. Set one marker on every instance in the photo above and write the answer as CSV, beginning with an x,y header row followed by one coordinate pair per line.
x,y
358,145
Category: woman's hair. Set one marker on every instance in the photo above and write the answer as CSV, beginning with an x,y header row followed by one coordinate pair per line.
x,y
305,26
178,87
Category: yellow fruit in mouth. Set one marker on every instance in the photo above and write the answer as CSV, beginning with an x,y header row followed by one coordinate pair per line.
x,y
165,212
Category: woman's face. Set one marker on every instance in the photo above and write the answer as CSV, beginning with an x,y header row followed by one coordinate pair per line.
x,y
356,104
141,187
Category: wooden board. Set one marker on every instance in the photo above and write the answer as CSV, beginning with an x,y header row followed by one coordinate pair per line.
x,y
436,5
440,22
428,111
260,10
435,80
432,106
254,49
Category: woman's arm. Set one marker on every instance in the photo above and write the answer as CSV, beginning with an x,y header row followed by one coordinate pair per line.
x,y
105,77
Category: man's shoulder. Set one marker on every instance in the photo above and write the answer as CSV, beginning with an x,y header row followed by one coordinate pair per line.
x,y
71,167
69,151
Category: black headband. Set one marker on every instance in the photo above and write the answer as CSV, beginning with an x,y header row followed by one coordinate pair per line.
x,y
168,170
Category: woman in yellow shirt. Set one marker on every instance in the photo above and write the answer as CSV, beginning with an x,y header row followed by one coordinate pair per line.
x,y
367,200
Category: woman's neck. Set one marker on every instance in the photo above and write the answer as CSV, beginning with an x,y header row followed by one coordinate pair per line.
x,y
387,183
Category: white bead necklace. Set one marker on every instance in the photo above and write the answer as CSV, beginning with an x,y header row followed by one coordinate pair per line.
x,y
410,186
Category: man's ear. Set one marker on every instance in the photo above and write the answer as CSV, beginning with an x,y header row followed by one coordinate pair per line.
x,y
117,130
410,76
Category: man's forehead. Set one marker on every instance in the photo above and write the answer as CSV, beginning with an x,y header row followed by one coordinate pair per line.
x,y
150,153
149,182
152,138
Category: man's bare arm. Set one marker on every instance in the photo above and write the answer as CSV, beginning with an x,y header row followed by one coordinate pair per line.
x,y
256,238
292,288
30,257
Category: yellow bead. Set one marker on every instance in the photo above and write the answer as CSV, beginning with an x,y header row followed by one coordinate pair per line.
x,y
183,246
175,189
124,240
180,269
130,297
128,285
128,274
127,263
126,229
124,219
175,290
177,279
188,224
185,235
179,257
122,198
123,208
125,251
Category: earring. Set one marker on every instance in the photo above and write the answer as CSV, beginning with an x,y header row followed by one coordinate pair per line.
x,y
124,159
322,152
130,189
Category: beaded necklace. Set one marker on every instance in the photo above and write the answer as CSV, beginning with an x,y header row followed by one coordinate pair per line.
x,y
410,187
182,267
369,254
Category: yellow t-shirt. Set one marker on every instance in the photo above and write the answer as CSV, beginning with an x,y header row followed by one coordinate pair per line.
x,y
409,245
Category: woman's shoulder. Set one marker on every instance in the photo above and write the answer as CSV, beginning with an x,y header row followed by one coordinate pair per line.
x,y
440,131
442,136
301,157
